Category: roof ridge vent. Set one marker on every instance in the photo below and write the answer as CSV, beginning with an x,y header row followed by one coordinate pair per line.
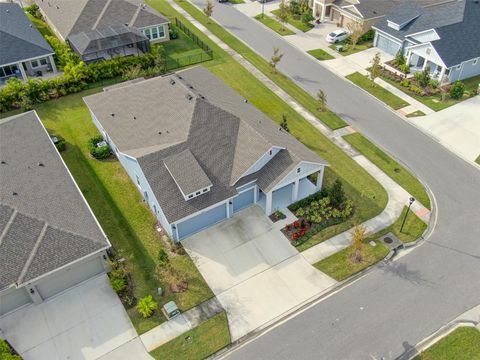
x,y
172,82
189,97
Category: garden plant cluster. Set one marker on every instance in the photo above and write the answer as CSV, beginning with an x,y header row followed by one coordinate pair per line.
x,y
325,208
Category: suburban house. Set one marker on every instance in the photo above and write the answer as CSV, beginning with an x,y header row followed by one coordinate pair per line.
x,y
104,29
366,12
49,238
23,50
199,152
444,38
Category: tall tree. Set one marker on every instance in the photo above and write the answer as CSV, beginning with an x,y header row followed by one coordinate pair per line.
x,y
375,68
283,14
275,59
208,10
356,30
322,100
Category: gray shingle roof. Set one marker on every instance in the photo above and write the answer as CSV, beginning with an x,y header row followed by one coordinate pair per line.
x,y
198,112
19,38
405,13
75,16
187,172
45,222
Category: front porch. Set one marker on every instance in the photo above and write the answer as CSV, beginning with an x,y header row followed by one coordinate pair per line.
x,y
419,63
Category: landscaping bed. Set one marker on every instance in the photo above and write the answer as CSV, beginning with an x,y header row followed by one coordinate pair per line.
x,y
376,90
274,25
461,344
320,54
364,42
296,20
198,343
277,216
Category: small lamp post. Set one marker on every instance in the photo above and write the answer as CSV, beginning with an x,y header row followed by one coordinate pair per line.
x,y
410,202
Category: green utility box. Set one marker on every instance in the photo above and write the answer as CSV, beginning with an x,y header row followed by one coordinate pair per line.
x,y
170,310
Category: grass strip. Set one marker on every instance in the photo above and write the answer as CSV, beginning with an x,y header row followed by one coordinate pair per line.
x,y
274,25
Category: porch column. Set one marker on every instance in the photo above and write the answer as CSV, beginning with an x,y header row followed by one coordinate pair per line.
x,y
229,205
22,71
425,64
324,10
442,74
295,190
268,203
409,57
255,194
52,63
319,179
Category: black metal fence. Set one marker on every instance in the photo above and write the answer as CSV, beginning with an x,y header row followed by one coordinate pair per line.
x,y
192,36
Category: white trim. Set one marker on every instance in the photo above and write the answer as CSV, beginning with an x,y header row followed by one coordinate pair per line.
x,y
428,43
256,162
30,59
280,183
421,32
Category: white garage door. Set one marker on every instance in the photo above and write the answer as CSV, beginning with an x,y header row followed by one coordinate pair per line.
x,y
387,45
13,299
66,278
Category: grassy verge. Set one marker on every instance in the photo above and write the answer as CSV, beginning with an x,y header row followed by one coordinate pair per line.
x,y
368,195
297,23
461,344
320,54
347,48
119,208
203,341
435,102
376,90
41,26
288,85
274,25
390,167
339,266
416,114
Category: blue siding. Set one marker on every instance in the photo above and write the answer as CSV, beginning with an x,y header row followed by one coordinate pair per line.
x,y
281,198
201,221
466,71
243,200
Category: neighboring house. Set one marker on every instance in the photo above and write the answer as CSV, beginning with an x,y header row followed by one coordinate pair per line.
x,y
104,29
23,50
49,237
444,39
367,12
198,152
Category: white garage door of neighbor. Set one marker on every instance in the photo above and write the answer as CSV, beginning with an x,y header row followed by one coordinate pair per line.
x,y
66,278
387,45
13,299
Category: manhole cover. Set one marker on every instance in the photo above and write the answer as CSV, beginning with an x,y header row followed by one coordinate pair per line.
x,y
388,240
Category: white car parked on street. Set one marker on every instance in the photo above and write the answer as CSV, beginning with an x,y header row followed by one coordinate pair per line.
x,y
337,35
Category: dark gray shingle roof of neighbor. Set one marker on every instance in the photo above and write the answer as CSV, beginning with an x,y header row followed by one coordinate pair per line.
x,y
19,38
370,9
45,222
75,16
187,172
405,13
105,38
198,112
456,23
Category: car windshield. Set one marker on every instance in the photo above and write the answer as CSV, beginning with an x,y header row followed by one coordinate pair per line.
x,y
332,34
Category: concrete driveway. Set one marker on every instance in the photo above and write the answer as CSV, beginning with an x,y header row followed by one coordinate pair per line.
x,y
85,322
253,270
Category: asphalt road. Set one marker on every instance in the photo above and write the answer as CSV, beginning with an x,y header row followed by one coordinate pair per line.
x,y
395,306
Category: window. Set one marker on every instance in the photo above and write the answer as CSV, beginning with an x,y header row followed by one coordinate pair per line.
x,y
155,209
35,63
43,61
197,193
138,180
475,62
161,32
298,171
205,190
190,196
270,152
154,33
147,33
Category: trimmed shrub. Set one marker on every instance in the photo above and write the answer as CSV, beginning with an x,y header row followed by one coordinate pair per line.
x,y
405,68
146,306
337,194
173,33
33,10
7,353
368,36
60,144
98,152
118,284
457,90
307,17
423,77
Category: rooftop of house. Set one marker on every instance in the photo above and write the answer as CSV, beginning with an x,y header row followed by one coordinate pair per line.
x,y
194,112
456,24
75,16
19,38
371,9
45,222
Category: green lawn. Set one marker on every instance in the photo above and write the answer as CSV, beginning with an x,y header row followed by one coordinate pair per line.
x,y
376,90
435,102
347,48
416,114
478,160
461,344
118,205
274,25
205,340
368,195
320,54
339,266
297,23
300,95
41,26
236,1
392,168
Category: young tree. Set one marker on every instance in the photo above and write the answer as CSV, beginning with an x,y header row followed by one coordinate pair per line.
x,y
322,100
359,235
284,123
275,59
208,10
356,30
283,14
375,68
